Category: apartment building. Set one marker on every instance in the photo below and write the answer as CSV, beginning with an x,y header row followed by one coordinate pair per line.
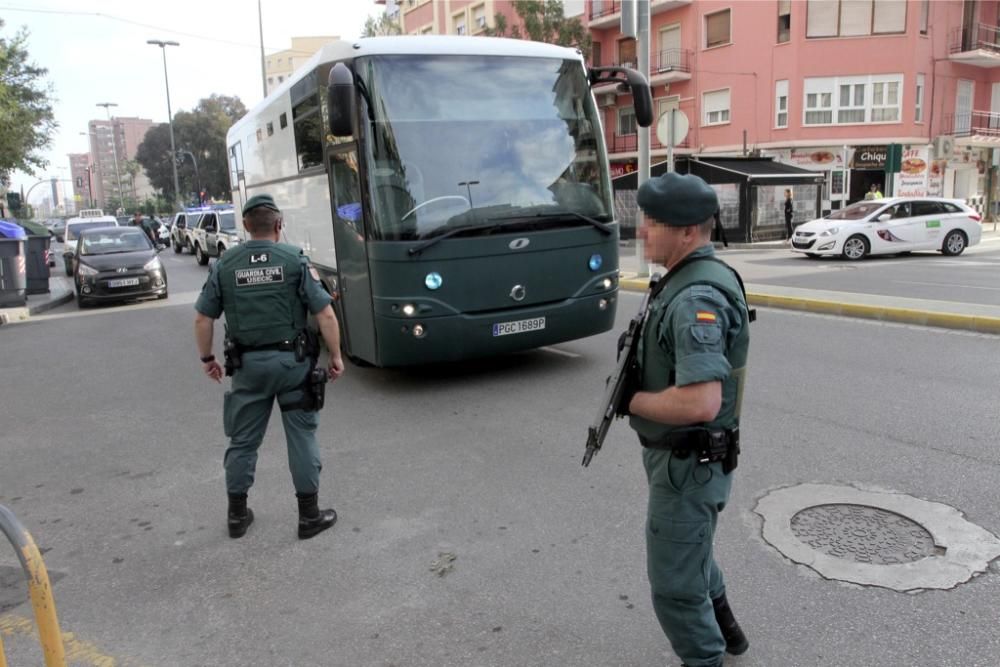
x,y
82,177
116,141
280,65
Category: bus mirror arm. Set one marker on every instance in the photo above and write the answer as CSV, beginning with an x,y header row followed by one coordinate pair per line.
x,y
633,82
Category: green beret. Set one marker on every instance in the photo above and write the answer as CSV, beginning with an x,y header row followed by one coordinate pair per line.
x,y
678,200
267,201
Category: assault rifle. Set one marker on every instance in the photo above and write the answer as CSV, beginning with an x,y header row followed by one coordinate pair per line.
x,y
622,382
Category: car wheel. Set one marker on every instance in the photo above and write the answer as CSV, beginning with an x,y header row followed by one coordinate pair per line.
x,y
954,243
855,248
178,248
200,255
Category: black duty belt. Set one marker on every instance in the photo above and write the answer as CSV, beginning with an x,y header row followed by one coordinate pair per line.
x,y
281,346
707,445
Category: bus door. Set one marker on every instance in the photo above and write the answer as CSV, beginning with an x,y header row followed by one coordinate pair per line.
x,y
237,177
354,285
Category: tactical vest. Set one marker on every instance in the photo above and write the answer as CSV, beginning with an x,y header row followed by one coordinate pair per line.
x,y
656,363
260,293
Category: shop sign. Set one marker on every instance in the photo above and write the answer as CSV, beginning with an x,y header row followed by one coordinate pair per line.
x,y
869,157
915,167
935,178
621,168
819,159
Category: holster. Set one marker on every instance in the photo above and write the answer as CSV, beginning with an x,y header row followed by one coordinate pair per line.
x,y
314,386
233,356
707,446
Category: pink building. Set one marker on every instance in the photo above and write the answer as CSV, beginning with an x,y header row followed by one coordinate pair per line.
x,y
824,85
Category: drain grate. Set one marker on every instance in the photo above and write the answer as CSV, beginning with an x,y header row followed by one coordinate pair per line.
x,y
863,534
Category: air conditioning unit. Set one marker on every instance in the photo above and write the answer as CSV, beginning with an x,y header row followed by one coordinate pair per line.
x,y
606,99
944,147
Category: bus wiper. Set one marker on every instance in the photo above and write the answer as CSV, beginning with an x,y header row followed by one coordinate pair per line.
x,y
604,227
427,243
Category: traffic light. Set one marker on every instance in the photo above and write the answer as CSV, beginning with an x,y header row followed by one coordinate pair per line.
x,y
13,201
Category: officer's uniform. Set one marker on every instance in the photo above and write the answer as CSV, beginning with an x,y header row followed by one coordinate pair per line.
x,y
697,330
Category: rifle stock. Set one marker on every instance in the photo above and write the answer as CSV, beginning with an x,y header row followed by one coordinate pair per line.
x,y
614,390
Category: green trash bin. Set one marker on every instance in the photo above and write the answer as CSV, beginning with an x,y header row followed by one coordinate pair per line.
x,y
13,265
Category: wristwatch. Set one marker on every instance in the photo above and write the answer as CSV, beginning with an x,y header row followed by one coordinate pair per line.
x,y
207,359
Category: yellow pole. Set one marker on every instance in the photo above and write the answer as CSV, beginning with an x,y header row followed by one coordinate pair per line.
x,y
3,656
43,603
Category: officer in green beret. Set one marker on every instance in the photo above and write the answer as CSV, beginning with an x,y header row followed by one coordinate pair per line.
x,y
266,289
692,355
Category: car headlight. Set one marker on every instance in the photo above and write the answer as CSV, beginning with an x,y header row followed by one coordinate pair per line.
x,y
830,232
85,270
152,264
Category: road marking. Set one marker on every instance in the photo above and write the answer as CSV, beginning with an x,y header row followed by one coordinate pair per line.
x,y
556,350
919,282
77,651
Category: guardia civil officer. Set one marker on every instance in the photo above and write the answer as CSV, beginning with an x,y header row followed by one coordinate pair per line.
x,y
265,288
686,411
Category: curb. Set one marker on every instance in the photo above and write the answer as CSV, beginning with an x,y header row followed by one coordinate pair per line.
x,y
22,313
977,323
64,296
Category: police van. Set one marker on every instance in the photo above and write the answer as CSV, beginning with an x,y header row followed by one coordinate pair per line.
x,y
211,232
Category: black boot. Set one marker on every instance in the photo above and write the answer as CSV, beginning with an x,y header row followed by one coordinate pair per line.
x,y
240,516
736,641
312,521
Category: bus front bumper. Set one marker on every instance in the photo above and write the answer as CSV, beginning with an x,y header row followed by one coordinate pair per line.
x,y
415,340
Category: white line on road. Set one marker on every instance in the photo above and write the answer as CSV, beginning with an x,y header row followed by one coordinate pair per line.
x,y
918,282
556,350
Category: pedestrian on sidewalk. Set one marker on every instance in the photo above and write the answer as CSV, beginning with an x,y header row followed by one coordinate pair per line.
x,y
873,192
265,288
686,410
788,213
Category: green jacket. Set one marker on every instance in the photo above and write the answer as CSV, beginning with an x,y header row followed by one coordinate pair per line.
x,y
697,330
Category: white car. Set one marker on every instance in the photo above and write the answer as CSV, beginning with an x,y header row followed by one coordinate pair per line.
x,y
891,226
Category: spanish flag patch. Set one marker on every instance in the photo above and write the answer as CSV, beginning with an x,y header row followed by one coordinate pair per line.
x,y
704,316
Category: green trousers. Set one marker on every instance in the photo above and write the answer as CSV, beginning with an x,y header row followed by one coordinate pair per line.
x,y
266,376
685,498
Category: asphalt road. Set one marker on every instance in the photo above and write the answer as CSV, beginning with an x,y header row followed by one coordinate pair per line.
x,y
972,277
111,445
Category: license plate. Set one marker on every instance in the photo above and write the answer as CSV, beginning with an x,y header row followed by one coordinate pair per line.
x,y
123,282
520,326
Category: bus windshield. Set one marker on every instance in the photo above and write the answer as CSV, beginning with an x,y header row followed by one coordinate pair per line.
x,y
467,140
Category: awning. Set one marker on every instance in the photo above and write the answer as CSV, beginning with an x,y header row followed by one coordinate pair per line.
x,y
755,171
979,141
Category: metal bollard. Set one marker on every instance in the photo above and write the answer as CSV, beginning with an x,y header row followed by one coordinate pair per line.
x,y
38,587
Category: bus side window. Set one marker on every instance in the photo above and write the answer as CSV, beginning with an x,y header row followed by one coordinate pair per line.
x,y
347,190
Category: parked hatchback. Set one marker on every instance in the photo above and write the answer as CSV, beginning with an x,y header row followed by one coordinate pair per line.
x,y
117,264
891,226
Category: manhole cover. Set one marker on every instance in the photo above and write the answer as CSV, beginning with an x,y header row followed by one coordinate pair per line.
x,y
863,534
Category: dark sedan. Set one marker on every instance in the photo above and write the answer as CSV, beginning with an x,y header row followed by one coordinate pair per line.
x,y
117,264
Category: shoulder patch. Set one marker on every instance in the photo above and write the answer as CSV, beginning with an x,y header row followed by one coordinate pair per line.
x,y
705,316
314,273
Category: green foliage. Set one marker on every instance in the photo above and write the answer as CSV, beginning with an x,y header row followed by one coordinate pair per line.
x,y
383,25
544,21
26,118
202,131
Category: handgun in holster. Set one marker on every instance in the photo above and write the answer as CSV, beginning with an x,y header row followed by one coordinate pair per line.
x,y
233,355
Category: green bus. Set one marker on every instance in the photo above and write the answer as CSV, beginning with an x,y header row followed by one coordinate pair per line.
x,y
453,192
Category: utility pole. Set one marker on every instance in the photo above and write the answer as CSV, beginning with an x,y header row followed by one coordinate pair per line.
x,y
114,151
642,48
170,117
263,70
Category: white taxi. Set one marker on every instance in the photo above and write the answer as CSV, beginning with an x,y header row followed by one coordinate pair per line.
x,y
890,226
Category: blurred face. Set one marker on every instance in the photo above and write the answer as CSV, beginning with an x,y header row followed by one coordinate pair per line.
x,y
667,245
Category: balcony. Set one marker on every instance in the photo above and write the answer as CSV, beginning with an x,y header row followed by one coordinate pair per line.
x,y
604,13
629,143
975,128
669,66
658,6
977,45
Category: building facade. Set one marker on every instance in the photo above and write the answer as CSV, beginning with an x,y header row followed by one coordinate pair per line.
x,y
823,85
113,145
279,66
81,174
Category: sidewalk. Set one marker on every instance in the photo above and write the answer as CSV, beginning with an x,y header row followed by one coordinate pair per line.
x,y
60,292
926,312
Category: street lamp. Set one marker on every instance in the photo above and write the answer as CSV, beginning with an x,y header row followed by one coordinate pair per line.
x,y
114,150
468,186
170,118
90,175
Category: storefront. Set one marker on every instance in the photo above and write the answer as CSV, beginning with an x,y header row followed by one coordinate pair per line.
x,y
829,161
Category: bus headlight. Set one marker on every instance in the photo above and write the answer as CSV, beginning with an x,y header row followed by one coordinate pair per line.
x,y
595,262
433,280
418,331
607,283
409,310
602,304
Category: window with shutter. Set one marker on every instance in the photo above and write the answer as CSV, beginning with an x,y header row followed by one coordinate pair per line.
x,y
717,29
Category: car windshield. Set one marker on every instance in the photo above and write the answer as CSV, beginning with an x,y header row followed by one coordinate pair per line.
x,y
227,221
522,134
861,209
73,231
109,241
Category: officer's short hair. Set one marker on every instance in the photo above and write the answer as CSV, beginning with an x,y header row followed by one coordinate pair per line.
x,y
260,220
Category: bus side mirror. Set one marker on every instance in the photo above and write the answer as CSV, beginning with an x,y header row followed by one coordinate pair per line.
x,y
642,99
340,100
